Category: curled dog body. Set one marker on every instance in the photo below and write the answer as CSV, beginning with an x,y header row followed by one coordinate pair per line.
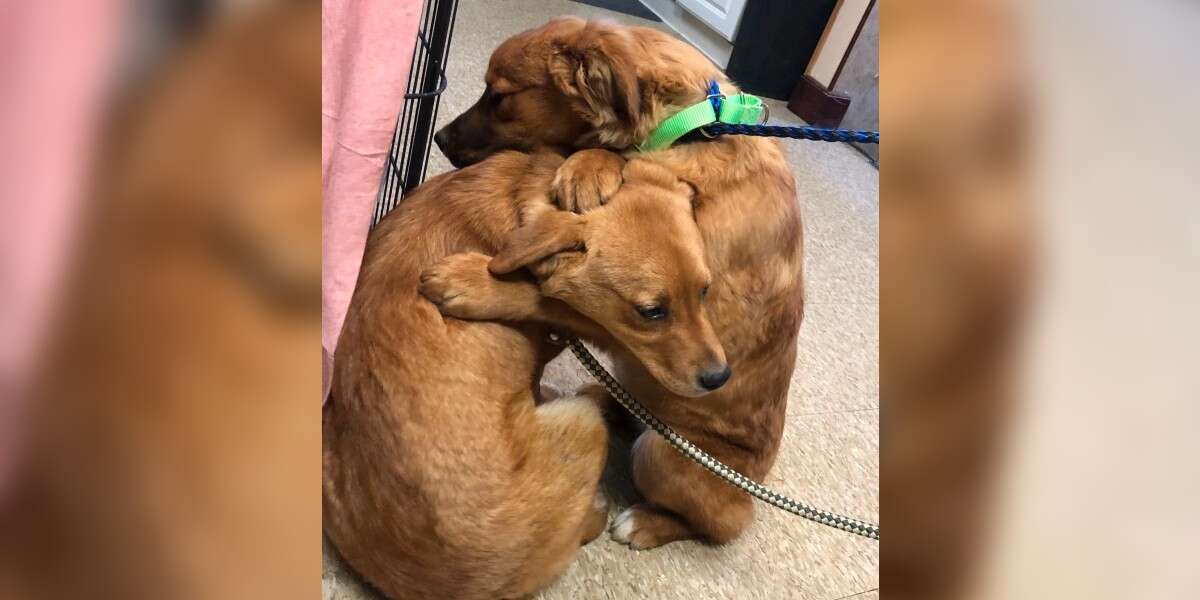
x,y
574,85
446,475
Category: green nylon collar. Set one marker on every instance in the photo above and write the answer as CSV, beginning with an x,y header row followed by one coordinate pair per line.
x,y
741,109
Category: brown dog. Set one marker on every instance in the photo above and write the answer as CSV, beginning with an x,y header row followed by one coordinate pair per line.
x,y
572,84
444,478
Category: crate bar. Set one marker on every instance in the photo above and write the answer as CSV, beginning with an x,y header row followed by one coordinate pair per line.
x,y
439,43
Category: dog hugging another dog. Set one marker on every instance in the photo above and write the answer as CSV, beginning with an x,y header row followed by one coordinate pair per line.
x,y
446,474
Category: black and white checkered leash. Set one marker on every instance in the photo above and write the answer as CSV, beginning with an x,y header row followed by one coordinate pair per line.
x,y
688,449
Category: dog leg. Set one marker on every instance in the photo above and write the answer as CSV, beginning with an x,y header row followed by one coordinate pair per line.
x,y
587,179
567,448
643,526
462,287
597,520
685,500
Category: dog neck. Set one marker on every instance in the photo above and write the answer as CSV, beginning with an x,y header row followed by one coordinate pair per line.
x,y
742,158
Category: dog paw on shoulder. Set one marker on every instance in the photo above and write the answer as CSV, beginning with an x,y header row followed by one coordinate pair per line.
x,y
587,180
454,282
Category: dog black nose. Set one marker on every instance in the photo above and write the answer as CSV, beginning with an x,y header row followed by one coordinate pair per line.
x,y
441,138
715,378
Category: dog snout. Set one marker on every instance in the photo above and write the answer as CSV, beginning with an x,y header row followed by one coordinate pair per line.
x,y
458,144
712,379
442,139
449,143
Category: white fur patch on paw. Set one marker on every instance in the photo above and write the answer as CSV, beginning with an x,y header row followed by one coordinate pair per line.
x,y
624,525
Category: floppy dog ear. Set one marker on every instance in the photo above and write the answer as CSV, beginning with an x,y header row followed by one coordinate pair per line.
x,y
598,67
549,234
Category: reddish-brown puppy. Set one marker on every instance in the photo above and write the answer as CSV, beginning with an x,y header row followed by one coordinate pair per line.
x,y
572,84
443,476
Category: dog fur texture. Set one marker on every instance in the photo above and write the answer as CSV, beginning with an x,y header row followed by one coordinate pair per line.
x,y
572,85
444,475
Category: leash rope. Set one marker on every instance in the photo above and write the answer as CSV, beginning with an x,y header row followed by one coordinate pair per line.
x,y
815,134
739,114
704,459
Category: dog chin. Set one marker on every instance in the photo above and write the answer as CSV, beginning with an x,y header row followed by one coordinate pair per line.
x,y
687,391
460,160
676,386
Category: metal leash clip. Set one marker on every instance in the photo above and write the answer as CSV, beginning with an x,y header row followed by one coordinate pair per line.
x,y
720,96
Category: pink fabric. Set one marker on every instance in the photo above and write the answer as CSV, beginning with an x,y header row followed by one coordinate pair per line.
x,y
55,65
366,50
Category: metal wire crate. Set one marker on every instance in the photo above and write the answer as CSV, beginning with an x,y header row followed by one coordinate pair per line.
x,y
409,155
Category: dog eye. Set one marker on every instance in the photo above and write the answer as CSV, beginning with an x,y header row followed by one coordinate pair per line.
x,y
496,99
654,312
703,292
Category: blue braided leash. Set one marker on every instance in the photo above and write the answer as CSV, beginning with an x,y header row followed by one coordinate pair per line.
x,y
815,134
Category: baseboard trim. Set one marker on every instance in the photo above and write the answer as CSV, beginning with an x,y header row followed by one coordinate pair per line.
x,y
817,105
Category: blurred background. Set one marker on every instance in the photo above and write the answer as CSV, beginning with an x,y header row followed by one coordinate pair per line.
x,y
159,294
1038,272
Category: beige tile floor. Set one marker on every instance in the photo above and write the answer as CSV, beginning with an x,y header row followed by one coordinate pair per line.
x,y
831,444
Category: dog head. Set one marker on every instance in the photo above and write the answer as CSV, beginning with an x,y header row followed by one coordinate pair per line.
x,y
636,267
573,84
